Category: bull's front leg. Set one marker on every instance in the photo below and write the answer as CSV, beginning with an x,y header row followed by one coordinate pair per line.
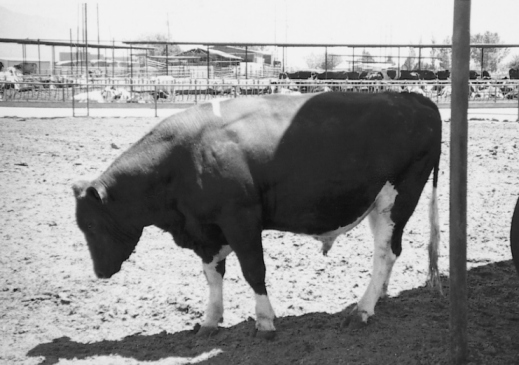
x,y
243,232
214,273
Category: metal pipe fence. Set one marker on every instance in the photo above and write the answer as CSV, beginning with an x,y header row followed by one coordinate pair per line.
x,y
185,90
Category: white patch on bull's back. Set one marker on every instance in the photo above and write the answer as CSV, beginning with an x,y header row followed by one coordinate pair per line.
x,y
216,108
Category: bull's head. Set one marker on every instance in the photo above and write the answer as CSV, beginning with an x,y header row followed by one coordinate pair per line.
x,y
108,228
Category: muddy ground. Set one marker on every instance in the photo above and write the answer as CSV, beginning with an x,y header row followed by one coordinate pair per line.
x,y
54,311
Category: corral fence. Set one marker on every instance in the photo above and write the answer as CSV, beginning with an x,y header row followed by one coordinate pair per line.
x,y
192,91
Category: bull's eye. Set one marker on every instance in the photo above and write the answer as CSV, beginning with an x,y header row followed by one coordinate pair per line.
x,y
90,227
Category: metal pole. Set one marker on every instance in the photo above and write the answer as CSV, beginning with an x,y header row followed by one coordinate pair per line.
x,y
131,69
73,101
86,60
98,42
353,58
71,53
283,52
458,183
208,64
113,58
156,98
419,58
398,76
482,58
167,60
326,62
39,58
53,60
246,63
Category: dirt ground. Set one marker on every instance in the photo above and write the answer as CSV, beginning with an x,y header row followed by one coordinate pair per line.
x,y
54,311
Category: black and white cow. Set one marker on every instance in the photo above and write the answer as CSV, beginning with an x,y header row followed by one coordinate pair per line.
x,y
217,174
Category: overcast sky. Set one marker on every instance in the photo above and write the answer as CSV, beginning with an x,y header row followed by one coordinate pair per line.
x,y
310,21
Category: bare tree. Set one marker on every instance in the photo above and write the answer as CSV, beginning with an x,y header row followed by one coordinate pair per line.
x,y
160,49
319,60
492,56
410,62
514,62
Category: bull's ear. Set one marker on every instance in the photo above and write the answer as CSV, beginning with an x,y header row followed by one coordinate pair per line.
x,y
98,192
79,188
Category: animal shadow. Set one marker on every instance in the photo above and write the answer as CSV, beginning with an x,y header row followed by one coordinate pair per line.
x,y
411,328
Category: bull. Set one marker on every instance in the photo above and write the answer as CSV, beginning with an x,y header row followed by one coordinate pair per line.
x,y
218,174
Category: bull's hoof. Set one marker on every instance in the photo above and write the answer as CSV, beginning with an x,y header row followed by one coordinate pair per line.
x,y
264,335
355,320
207,331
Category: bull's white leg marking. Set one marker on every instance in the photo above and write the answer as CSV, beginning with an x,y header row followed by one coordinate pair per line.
x,y
264,314
328,238
216,108
383,257
214,310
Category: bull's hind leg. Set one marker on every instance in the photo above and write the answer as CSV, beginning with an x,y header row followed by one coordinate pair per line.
x,y
383,257
214,272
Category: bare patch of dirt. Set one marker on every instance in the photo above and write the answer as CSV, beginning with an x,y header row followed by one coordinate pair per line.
x,y
54,311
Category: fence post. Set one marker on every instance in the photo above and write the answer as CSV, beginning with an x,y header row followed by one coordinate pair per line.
x,y
73,102
156,97
196,93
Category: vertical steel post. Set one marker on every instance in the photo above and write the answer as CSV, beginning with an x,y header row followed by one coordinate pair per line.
x,y
131,69
86,60
73,101
53,60
283,52
39,58
167,60
146,63
98,42
156,98
207,64
397,76
246,63
482,59
458,183
419,58
71,54
113,58
326,62
353,58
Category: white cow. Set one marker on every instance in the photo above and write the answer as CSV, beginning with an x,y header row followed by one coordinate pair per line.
x,y
285,91
111,94
165,80
96,96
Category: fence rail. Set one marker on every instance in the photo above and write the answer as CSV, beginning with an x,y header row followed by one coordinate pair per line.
x,y
141,90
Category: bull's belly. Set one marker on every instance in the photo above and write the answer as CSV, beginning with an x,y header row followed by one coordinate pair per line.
x,y
328,217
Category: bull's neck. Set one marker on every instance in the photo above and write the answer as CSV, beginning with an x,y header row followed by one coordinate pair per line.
x,y
140,186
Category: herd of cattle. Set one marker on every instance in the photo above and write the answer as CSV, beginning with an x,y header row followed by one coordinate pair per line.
x,y
168,88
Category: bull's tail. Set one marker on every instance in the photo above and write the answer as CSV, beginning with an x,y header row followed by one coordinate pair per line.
x,y
434,239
